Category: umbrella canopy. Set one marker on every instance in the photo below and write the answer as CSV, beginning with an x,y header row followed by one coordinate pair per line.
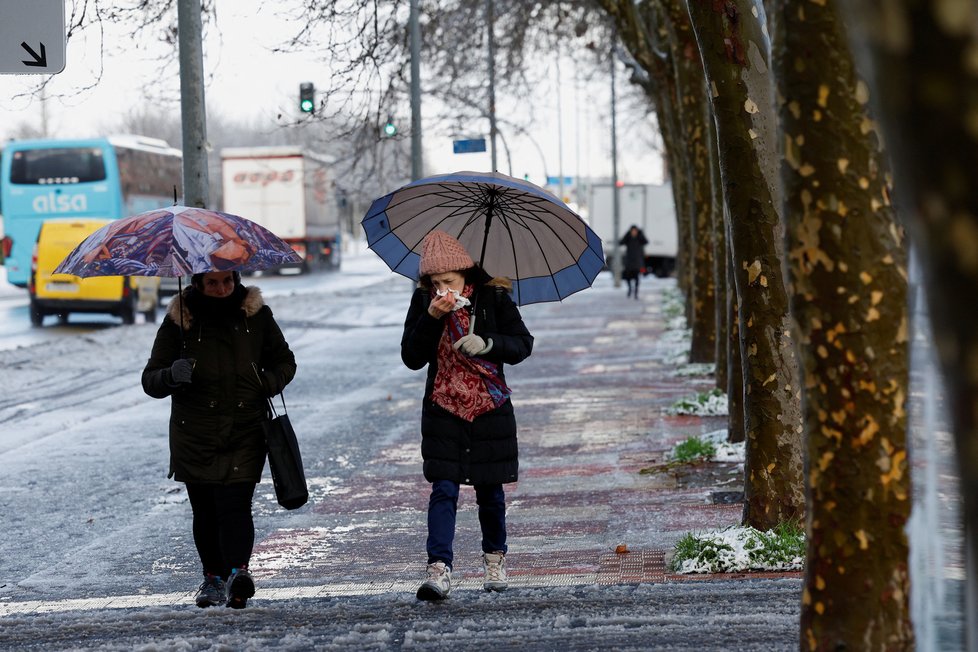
x,y
517,229
177,241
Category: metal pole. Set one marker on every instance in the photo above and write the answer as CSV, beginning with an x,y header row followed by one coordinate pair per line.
x,y
578,184
616,206
44,110
491,20
417,163
192,112
560,132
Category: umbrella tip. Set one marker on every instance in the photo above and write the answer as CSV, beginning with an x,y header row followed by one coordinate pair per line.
x,y
174,194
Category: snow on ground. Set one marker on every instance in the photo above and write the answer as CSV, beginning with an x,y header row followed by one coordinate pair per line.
x,y
6,289
96,541
724,616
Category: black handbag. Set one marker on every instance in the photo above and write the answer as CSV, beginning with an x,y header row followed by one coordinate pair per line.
x,y
284,459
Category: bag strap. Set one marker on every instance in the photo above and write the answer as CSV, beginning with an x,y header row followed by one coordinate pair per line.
x,y
271,404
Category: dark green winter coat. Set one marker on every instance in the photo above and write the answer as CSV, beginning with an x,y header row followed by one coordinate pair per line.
x,y
484,451
241,359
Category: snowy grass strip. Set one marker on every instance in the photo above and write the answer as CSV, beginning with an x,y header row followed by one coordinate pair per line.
x,y
740,549
712,403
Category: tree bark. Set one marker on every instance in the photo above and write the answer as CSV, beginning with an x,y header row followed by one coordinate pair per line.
x,y
721,264
926,83
693,113
847,264
736,57
736,413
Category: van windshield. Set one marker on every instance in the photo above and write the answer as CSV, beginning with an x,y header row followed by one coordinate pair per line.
x,y
57,165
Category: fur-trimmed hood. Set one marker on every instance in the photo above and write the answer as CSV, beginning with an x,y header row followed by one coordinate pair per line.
x,y
250,305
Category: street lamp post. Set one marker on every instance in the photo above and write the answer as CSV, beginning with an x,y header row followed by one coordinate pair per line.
x,y
417,164
192,112
615,199
491,19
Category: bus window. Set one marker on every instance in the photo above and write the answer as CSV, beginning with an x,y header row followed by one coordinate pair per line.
x,y
61,165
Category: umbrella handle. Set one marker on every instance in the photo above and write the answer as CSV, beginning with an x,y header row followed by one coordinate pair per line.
x,y
475,300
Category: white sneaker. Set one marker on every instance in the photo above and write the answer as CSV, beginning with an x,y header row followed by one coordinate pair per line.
x,y
439,582
494,564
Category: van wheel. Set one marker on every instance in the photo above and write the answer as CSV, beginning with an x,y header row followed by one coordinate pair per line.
x,y
37,315
62,318
150,315
128,311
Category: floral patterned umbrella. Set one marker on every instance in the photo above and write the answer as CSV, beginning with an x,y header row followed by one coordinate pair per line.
x,y
177,241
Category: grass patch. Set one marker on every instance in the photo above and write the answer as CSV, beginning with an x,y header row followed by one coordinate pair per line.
x,y
703,552
779,547
740,549
712,403
693,449
673,305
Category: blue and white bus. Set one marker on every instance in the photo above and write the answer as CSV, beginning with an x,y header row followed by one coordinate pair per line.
x,y
105,178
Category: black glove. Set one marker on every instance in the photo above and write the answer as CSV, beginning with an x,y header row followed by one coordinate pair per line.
x,y
180,372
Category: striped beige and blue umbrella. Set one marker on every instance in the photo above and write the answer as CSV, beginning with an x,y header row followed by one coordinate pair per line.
x,y
177,241
514,228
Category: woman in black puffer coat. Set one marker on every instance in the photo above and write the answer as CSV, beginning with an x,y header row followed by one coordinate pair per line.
x,y
468,428
219,354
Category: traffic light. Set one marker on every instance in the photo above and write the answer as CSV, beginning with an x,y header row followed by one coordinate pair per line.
x,y
390,129
307,97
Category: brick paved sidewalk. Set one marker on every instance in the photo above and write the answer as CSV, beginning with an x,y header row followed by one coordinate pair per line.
x,y
591,407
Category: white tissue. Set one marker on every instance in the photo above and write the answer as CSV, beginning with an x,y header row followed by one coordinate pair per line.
x,y
460,301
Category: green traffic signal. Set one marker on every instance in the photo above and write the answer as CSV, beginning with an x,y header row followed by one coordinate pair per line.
x,y
390,128
307,97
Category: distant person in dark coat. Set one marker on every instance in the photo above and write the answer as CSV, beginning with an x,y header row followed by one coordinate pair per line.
x,y
219,355
468,429
634,262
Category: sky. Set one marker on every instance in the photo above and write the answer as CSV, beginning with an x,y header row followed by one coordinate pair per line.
x,y
247,81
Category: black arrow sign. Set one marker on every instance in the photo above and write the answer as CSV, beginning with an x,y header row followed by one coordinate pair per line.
x,y
40,61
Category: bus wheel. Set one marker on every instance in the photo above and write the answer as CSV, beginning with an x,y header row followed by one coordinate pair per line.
x,y
62,318
37,316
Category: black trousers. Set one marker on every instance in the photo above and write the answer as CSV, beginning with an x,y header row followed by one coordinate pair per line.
x,y
224,531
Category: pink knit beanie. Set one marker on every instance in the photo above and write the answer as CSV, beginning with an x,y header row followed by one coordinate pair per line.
x,y
441,253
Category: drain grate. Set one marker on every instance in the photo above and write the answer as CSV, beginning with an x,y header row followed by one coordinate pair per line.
x,y
727,497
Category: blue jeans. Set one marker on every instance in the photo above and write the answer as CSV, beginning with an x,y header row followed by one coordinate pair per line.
x,y
442,507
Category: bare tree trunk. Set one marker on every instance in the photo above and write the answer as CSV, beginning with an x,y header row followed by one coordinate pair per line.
x,y
736,55
925,84
847,262
721,263
637,27
693,113
736,412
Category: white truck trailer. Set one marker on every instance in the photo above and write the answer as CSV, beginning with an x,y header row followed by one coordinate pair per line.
x,y
290,192
650,207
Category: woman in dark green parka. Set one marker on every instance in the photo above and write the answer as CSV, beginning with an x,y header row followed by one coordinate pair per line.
x,y
219,355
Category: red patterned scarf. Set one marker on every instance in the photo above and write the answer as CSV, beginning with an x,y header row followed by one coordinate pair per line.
x,y
466,387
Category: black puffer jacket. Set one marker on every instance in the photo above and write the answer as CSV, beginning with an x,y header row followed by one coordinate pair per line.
x,y
484,451
241,359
